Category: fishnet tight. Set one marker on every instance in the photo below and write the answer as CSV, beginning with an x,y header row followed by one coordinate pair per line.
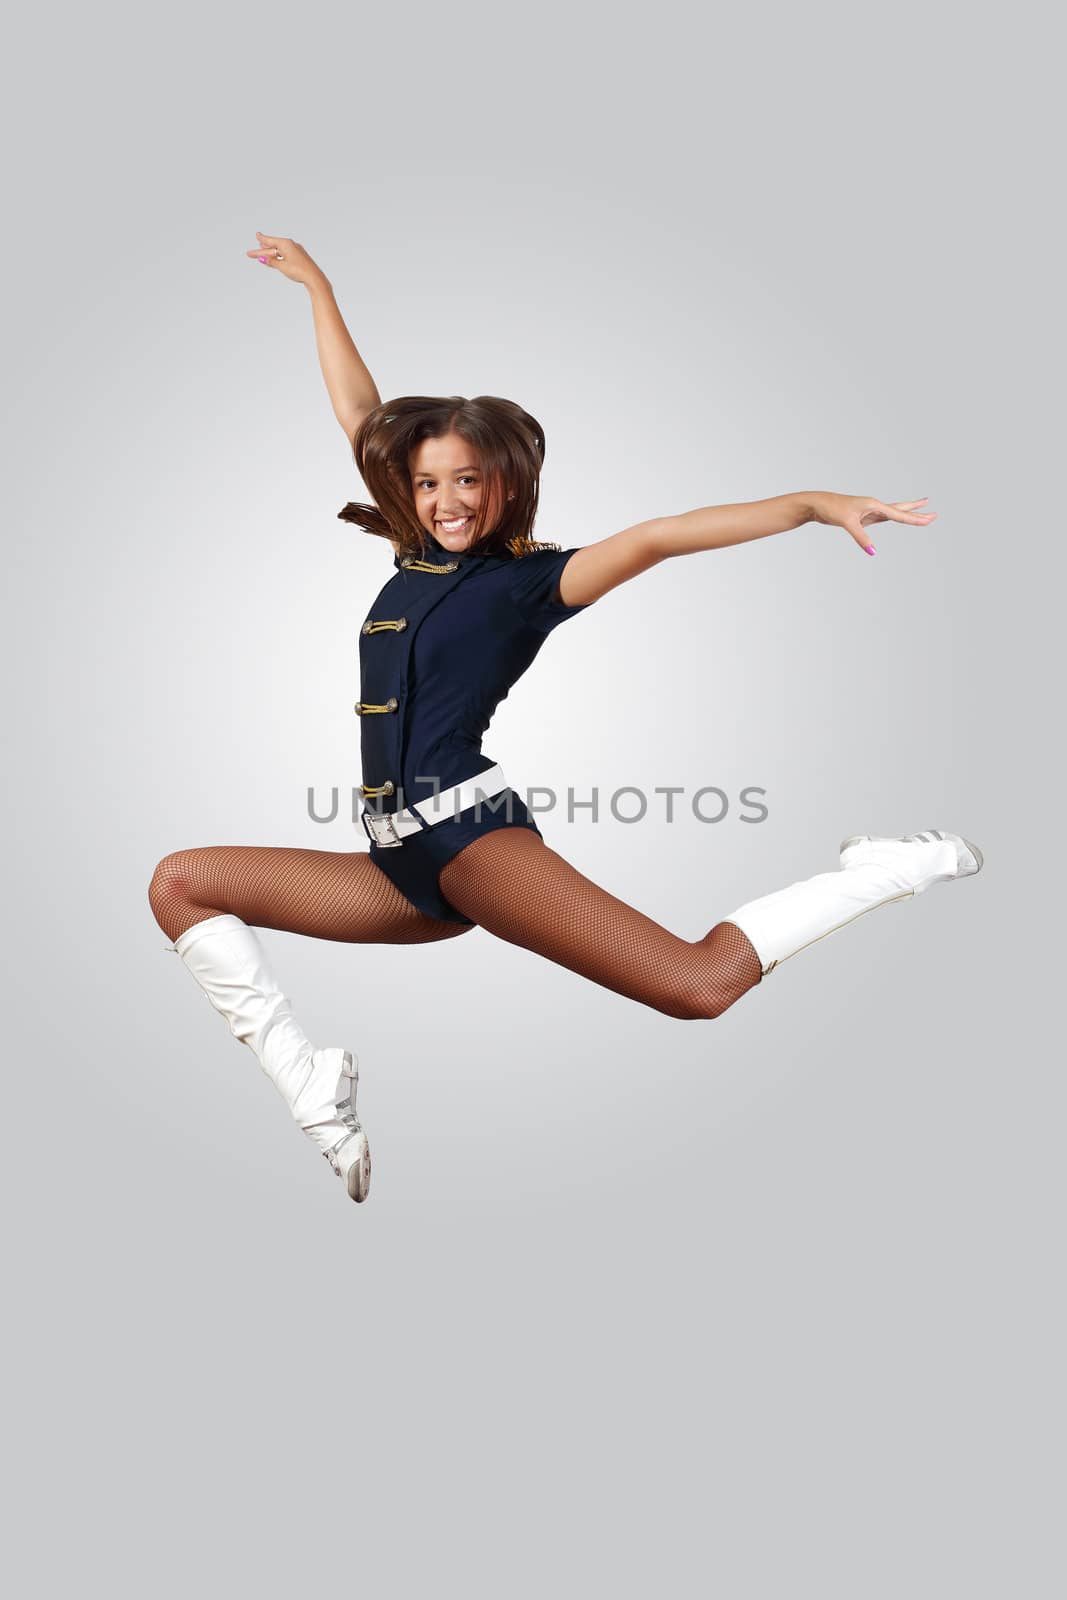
x,y
513,885
508,882
325,894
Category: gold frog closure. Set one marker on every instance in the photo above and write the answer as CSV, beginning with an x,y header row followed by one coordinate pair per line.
x,y
363,709
397,624
520,546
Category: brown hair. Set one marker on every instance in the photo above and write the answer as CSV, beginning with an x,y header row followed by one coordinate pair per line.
x,y
511,449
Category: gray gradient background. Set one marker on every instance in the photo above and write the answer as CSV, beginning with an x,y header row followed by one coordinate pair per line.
x,y
765,1307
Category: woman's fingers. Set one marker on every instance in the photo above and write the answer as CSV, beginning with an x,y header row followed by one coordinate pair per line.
x,y
270,247
291,263
860,534
877,511
288,257
880,511
267,252
905,506
903,511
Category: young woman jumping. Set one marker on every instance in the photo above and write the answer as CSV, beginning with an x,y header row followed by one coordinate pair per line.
x,y
472,598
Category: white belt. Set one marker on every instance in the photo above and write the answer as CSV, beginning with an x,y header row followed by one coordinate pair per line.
x,y
391,828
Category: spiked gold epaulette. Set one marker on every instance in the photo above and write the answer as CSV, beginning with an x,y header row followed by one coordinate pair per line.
x,y
528,547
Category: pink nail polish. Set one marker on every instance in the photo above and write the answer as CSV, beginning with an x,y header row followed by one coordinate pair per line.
x,y
262,260
869,549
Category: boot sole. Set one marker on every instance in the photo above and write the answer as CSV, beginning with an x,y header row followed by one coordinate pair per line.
x,y
358,1181
859,838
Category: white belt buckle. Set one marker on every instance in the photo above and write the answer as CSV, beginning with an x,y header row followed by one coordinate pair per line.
x,y
387,836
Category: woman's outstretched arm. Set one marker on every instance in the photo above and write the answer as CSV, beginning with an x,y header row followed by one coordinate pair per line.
x,y
715,527
349,384
600,567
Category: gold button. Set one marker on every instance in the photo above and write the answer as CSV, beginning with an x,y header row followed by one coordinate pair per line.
x,y
392,702
366,627
401,624
388,787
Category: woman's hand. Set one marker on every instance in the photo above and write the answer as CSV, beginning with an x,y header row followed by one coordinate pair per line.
x,y
855,514
350,386
286,257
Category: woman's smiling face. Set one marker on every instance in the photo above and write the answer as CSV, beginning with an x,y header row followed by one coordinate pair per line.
x,y
448,490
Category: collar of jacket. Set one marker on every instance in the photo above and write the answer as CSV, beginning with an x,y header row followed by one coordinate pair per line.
x,y
437,552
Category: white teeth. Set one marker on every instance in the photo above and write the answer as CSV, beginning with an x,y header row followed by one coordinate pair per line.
x,y
451,527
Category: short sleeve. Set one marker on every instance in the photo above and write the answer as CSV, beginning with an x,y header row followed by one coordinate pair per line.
x,y
534,580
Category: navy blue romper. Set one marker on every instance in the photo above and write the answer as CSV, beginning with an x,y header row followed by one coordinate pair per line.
x,y
438,651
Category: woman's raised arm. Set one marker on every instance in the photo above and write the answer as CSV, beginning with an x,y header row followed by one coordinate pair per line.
x,y
350,386
715,527
597,568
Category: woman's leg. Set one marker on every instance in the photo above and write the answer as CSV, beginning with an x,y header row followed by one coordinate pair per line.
x,y
321,893
513,885
204,900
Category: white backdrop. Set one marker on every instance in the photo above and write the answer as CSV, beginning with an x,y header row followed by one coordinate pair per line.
x,y
760,1307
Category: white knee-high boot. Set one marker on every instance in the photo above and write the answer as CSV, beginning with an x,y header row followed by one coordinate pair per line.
x,y
319,1086
874,872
